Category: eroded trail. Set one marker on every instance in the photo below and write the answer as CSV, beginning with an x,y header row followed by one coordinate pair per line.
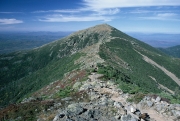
x,y
118,96
106,102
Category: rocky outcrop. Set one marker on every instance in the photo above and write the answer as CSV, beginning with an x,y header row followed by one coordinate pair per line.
x,y
107,103
161,107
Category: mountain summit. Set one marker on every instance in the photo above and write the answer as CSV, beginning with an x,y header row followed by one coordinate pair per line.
x,y
60,69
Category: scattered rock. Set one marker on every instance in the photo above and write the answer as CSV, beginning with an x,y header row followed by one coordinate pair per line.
x,y
103,107
118,104
128,118
158,99
67,99
144,116
130,108
150,103
77,85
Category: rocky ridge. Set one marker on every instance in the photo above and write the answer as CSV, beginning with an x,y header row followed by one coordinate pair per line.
x,y
108,103
91,52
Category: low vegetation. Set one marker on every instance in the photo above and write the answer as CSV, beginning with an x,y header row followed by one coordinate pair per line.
x,y
172,51
128,69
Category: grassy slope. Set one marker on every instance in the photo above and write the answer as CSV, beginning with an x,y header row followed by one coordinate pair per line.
x,y
172,51
25,72
139,71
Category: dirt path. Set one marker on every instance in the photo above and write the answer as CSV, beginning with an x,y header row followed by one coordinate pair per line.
x,y
120,97
153,114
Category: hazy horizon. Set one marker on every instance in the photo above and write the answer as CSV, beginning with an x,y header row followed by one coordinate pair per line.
x,y
147,16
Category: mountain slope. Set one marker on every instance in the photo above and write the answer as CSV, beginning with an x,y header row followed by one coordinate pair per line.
x,y
118,56
172,51
125,49
24,72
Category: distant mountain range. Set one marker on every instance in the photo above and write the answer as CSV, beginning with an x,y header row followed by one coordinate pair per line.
x,y
158,40
51,71
18,41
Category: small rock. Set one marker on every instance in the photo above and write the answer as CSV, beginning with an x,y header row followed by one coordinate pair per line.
x,y
128,118
74,109
175,112
147,98
160,107
67,99
144,116
130,108
118,104
85,86
150,103
117,117
158,99
137,112
77,85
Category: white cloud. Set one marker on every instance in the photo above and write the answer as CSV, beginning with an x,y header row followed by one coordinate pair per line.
x,y
166,15
107,11
144,11
101,10
10,12
58,11
62,18
78,15
104,4
10,21
163,16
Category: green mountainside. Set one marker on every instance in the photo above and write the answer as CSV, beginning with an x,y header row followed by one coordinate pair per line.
x,y
132,64
172,51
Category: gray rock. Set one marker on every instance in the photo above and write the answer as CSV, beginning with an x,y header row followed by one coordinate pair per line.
x,y
141,105
118,104
175,112
60,117
74,109
67,99
172,107
128,118
159,107
110,102
137,112
85,86
56,118
77,85
150,103
30,99
158,99
130,108
147,98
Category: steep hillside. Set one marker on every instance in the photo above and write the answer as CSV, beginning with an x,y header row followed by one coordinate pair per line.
x,y
24,72
51,72
172,51
132,57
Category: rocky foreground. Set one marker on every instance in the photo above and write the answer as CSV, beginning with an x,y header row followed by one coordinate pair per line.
x,y
108,103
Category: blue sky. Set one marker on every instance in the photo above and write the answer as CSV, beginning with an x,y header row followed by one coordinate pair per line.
x,y
146,16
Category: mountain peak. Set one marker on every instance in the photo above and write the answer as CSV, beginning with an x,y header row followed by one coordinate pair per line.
x,y
101,28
